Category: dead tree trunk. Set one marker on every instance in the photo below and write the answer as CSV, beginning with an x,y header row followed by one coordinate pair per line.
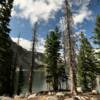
x,y
14,67
65,60
33,59
70,47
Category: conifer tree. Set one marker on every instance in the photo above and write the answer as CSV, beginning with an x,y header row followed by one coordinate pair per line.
x,y
97,31
52,46
97,34
86,65
5,51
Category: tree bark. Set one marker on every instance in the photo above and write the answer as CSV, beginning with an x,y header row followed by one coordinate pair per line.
x,y
70,47
33,59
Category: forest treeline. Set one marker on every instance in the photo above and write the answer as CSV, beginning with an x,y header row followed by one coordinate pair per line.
x,y
87,64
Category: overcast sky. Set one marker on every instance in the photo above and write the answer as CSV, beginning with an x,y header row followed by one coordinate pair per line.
x,y
49,13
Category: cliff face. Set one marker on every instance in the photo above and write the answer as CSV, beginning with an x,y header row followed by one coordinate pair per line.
x,y
24,57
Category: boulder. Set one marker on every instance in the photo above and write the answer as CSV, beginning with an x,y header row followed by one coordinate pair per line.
x,y
52,98
77,98
59,94
94,92
22,95
16,97
27,94
5,98
68,99
31,96
49,93
79,90
81,98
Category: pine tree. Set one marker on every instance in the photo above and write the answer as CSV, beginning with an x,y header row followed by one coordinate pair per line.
x,y
97,34
97,31
86,65
5,51
62,76
52,46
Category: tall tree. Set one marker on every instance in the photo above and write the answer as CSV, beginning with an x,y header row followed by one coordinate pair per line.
x,y
70,46
52,46
33,58
97,31
62,76
97,34
86,65
5,43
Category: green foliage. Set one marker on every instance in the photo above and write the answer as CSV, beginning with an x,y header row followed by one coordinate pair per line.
x,y
53,47
97,40
62,77
5,51
52,55
86,65
97,31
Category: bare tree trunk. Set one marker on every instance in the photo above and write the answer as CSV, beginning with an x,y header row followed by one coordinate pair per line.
x,y
64,50
14,67
33,59
13,72
65,60
70,47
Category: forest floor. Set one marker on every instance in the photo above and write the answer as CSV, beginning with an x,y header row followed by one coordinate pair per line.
x,y
83,96
66,97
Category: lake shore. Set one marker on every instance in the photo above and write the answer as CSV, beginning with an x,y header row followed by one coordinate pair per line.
x,y
57,96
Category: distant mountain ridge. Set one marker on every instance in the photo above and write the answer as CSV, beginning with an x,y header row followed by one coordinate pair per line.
x,y
24,57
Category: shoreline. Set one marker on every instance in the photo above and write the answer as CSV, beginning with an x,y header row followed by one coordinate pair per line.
x,y
54,96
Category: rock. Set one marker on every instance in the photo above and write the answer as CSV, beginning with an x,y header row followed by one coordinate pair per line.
x,y
16,97
94,92
77,98
81,98
52,98
59,94
68,99
31,96
79,89
94,98
85,98
5,98
27,94
22,95
49,93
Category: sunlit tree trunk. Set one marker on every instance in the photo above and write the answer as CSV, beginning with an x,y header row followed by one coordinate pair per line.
x,y
70,46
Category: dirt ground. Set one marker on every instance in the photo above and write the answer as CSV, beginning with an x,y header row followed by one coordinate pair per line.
x,y
86,97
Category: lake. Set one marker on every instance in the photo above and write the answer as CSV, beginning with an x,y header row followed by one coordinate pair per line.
x,y
39,81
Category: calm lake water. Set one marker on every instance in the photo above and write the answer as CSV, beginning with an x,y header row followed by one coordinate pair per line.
x,y
39,80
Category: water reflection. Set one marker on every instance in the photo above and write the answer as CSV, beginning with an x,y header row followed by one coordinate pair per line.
x,y
39,82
